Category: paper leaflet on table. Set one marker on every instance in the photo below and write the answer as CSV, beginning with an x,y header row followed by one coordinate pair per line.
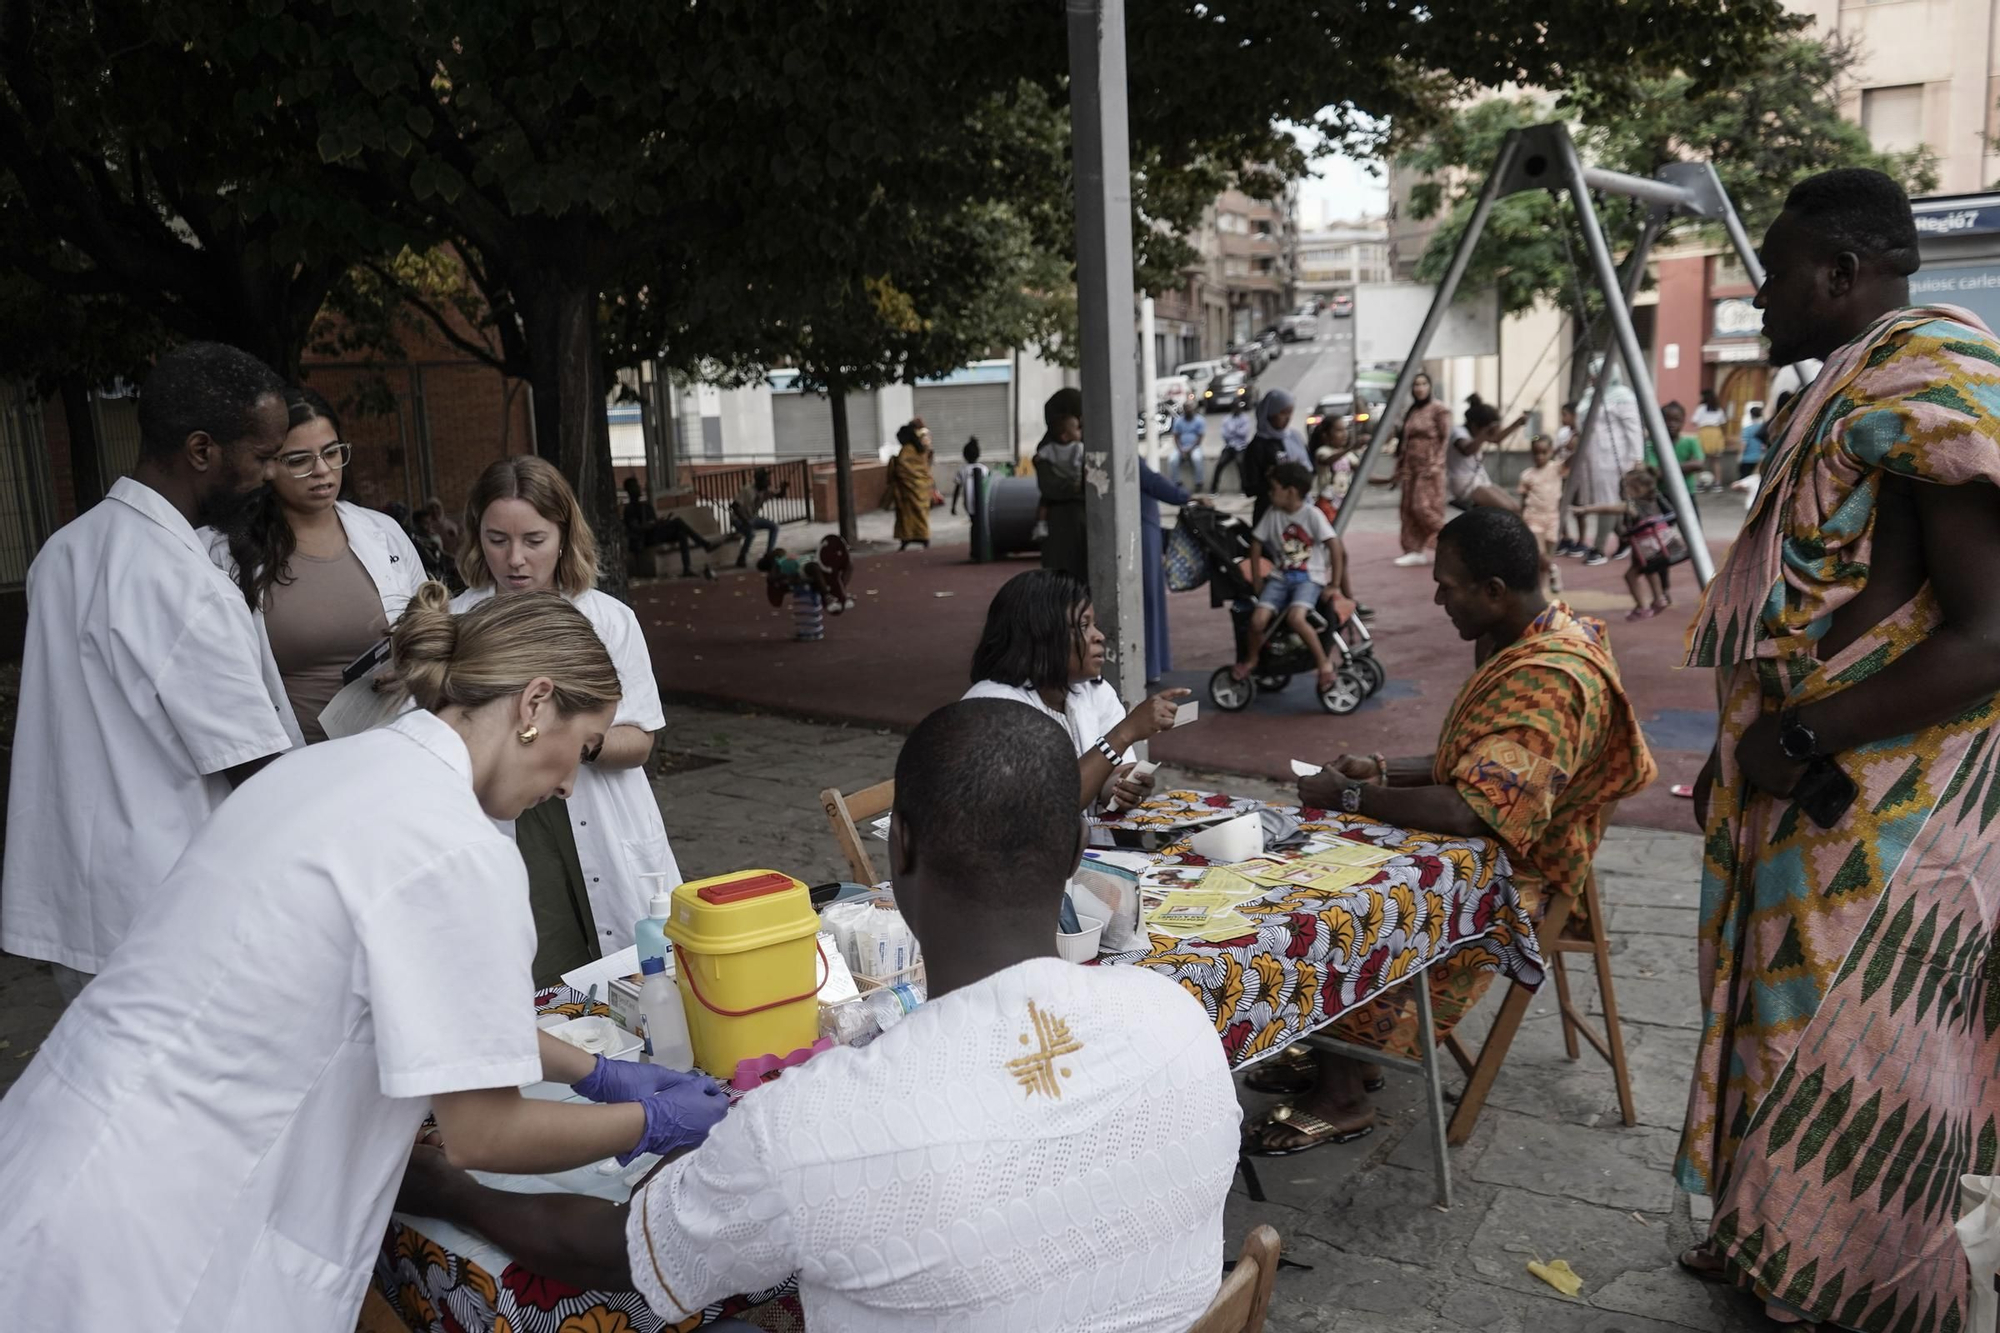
x,y
1188,916
1306,872
1342,852
1302,769
358,707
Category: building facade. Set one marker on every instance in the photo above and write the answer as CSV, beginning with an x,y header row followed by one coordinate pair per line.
x,y
1342,255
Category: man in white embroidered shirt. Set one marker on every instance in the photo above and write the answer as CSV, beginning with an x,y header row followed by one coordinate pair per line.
x,y
142,686
1042,1145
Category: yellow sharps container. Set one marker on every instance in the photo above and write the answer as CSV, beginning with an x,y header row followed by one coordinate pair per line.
x,y
746,955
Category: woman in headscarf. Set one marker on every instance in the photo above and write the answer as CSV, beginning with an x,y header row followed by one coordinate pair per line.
x,y
1059,478
1274,443
910,485
1420,471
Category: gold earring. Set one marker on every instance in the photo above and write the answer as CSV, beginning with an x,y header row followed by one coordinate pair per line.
x,y
527,735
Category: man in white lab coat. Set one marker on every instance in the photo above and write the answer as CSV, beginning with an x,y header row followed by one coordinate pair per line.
x,y
142,690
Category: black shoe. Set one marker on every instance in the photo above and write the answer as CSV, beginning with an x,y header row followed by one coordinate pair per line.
x,y
1597,558
1364,612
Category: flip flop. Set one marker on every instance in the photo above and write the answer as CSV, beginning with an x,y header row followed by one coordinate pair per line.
x,y
1316,1130
1641,613
1294,1075
1682,790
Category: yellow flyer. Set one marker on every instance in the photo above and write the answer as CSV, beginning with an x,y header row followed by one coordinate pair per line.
x,y
1345,853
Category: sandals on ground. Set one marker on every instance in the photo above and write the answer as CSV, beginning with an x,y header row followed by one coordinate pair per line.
x,y
1295,1073
1316,1131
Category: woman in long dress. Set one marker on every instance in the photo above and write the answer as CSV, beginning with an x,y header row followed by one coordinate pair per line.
x,y
910,486
212,1137
1420,466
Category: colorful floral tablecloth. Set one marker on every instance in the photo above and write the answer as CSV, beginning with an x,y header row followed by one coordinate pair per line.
x,y
1315,955
434,1290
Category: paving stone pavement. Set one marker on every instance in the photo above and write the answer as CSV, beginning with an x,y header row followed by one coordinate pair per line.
x,y
1549,1173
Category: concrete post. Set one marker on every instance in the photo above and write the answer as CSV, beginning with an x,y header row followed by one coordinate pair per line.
x,y
1104,296
1149,371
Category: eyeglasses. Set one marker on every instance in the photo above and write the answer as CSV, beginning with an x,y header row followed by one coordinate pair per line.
x,y
304,461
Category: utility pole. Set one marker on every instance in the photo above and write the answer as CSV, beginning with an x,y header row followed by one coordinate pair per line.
x,y
1101,137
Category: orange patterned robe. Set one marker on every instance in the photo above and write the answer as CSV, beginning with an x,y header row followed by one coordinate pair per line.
x,y
1539,742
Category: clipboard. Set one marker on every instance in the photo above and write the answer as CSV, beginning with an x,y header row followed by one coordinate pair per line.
x,y
365,664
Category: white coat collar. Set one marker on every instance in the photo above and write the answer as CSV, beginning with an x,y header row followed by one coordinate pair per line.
x,y
138,495
435,734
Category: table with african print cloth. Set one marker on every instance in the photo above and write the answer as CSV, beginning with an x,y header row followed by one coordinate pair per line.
x,y
439,1279
1315,955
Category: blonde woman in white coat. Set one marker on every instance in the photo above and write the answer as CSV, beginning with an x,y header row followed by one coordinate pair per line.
x,y
225,1113
324,578
525,532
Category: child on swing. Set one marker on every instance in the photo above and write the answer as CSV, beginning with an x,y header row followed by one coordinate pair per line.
x,y
1655,543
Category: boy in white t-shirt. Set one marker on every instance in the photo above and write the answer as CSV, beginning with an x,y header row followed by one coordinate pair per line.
x,y
1299,542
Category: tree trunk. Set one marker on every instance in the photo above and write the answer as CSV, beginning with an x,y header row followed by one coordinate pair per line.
x,y
86,467
843,457
567,374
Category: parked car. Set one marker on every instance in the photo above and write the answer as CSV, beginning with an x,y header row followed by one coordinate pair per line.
x,y
1333,405
1199,373
1251,358
1226,390
1293,328
1343,305
1269,341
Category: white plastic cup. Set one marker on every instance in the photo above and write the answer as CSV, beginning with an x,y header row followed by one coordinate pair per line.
x,y
1080,946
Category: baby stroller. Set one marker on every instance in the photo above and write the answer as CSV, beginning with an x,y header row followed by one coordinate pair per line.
x,y
1208,547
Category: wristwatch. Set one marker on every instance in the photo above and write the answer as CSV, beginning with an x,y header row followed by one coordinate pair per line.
x,y
1350,799
1799,741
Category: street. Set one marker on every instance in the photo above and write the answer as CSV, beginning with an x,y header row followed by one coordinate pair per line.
x,y
1310,370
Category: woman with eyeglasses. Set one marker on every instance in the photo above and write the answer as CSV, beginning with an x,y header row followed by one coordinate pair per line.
x,y
324,578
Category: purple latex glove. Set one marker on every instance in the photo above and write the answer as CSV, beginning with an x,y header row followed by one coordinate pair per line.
x,y
679,1116
627,1080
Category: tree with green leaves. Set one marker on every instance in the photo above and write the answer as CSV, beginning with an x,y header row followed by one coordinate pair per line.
x,y
742,160
1771,127
139,138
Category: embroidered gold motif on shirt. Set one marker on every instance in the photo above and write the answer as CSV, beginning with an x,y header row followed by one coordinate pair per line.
x,y
1038,1071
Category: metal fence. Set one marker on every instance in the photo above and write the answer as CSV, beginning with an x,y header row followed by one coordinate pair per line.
x,y
26,508
715,487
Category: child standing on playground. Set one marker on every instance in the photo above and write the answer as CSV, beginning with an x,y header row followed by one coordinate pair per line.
x,y
971,483
1541,505
1299,542
1652,538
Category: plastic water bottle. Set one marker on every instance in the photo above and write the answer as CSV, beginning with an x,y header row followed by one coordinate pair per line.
x,y
666,1034
650,931
891,1004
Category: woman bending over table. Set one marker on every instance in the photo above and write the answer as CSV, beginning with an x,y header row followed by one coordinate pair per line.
x,y
225,1111
1539,743
525,532
1041,646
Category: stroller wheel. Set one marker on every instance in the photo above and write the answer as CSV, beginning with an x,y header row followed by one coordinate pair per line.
x,y
1365,666
1345,694
1271,682
1228,693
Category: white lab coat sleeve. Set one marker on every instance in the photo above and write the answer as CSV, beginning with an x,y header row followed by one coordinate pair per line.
x,y
406,567
446,962
626,642
211,687
717,1221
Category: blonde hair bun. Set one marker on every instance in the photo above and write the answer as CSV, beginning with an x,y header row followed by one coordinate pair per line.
x,y
422,642
493,650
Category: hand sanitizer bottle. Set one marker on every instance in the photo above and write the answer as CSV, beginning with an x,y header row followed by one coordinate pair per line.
x,y
667,1041
650,931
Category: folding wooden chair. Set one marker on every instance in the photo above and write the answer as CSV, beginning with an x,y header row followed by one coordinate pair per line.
x,y
842,812
1245,1297
1480,1072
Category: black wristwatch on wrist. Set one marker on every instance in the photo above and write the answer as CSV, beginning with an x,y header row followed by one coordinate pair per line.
x,y
1799,742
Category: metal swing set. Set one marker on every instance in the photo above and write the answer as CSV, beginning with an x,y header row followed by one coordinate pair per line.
x,y
1543,157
